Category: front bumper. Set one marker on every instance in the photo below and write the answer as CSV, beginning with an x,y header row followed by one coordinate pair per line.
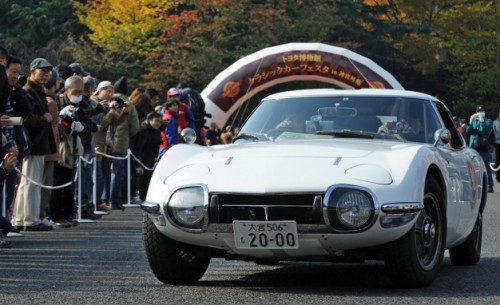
x,y
316,241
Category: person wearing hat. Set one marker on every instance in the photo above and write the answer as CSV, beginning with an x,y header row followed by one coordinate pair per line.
x,y
479,131
102,95
185,118
104,91
38,123
121,88
77,69
170,131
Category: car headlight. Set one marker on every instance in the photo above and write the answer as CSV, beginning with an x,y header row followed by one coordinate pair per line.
x,y
353,209
349,209
187,207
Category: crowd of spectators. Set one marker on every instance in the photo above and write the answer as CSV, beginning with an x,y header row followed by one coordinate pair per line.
x,y
53,116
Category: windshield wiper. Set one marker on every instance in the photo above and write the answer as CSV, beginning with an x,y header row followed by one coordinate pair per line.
x,y
251,136
347,133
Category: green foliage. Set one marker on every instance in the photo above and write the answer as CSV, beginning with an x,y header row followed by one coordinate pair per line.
x,y
35,23
364,31
448,48
469,36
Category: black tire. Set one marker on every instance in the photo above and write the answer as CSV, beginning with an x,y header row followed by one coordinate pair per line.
x,y
469,252
172,262
415,259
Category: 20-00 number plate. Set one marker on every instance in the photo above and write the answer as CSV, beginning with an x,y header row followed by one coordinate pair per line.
x,y
265,234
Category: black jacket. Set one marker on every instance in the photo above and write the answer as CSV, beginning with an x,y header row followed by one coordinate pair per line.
x,y
4,93
146,144
22,105
38,126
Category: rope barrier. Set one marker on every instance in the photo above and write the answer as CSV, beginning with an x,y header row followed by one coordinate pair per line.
x,y
91,161
140,163
129,153
51,187
113,157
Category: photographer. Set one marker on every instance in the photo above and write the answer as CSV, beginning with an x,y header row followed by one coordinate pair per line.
x,y
125,124
75,125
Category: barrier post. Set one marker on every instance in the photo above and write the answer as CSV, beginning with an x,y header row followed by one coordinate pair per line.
x,y
79,171
4,200
129,204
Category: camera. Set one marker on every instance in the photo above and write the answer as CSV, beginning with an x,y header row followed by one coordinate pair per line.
x,y
21,80
73,112
119,105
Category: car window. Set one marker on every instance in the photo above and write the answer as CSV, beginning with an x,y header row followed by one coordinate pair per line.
x,y
392,118
456,139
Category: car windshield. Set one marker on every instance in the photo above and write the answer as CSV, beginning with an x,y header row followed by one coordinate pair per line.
x,y
366,117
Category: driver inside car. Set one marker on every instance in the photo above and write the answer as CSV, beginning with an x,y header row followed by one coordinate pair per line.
x,y
407,127
290,123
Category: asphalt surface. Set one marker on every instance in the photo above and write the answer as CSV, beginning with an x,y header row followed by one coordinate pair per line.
x,y
104,263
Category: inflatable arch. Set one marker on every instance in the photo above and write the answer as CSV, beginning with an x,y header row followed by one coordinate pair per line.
x,y
291,62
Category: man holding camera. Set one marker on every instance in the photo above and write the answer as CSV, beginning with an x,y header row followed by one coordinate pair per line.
x,y
75,124
125,124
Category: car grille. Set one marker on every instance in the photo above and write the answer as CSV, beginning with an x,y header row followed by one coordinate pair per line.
x,y
303,208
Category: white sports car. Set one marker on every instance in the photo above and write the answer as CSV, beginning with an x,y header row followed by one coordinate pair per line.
x,y
322,175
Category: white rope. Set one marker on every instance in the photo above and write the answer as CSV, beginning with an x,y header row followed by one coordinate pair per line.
x,y
50,187
86,161
54,187
112,157
142,164
492,166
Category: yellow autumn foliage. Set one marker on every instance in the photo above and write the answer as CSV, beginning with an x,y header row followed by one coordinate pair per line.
x,y
118,25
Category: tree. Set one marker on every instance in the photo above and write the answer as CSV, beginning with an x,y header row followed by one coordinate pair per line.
x,y
195,40
208,36
376,30
469,36
34,28
124,26
455,55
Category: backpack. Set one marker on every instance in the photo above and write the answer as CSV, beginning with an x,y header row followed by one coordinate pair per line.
x,y
195,102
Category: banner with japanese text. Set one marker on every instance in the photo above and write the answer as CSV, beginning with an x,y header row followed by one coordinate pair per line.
x,y
291,62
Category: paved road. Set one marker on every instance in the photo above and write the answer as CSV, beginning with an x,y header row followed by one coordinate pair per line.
x,y
104,263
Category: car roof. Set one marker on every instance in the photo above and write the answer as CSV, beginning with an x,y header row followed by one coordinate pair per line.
x,y
343,92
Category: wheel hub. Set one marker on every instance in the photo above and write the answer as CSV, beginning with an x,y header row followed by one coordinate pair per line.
x,y
428,232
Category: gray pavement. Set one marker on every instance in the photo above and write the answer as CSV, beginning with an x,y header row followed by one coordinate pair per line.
x,y
104,263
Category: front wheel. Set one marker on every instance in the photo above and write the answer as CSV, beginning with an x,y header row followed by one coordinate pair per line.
x,y
172,262
415,259
469,252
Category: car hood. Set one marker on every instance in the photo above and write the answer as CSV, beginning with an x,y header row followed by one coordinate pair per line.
x,y
287,166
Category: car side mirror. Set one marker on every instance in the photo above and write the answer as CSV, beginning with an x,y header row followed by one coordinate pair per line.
x,y
189,135
443,135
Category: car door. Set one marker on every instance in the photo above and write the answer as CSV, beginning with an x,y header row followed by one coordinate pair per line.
x,y
461,176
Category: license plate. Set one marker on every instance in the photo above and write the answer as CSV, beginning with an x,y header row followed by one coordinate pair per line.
x,y
265,234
